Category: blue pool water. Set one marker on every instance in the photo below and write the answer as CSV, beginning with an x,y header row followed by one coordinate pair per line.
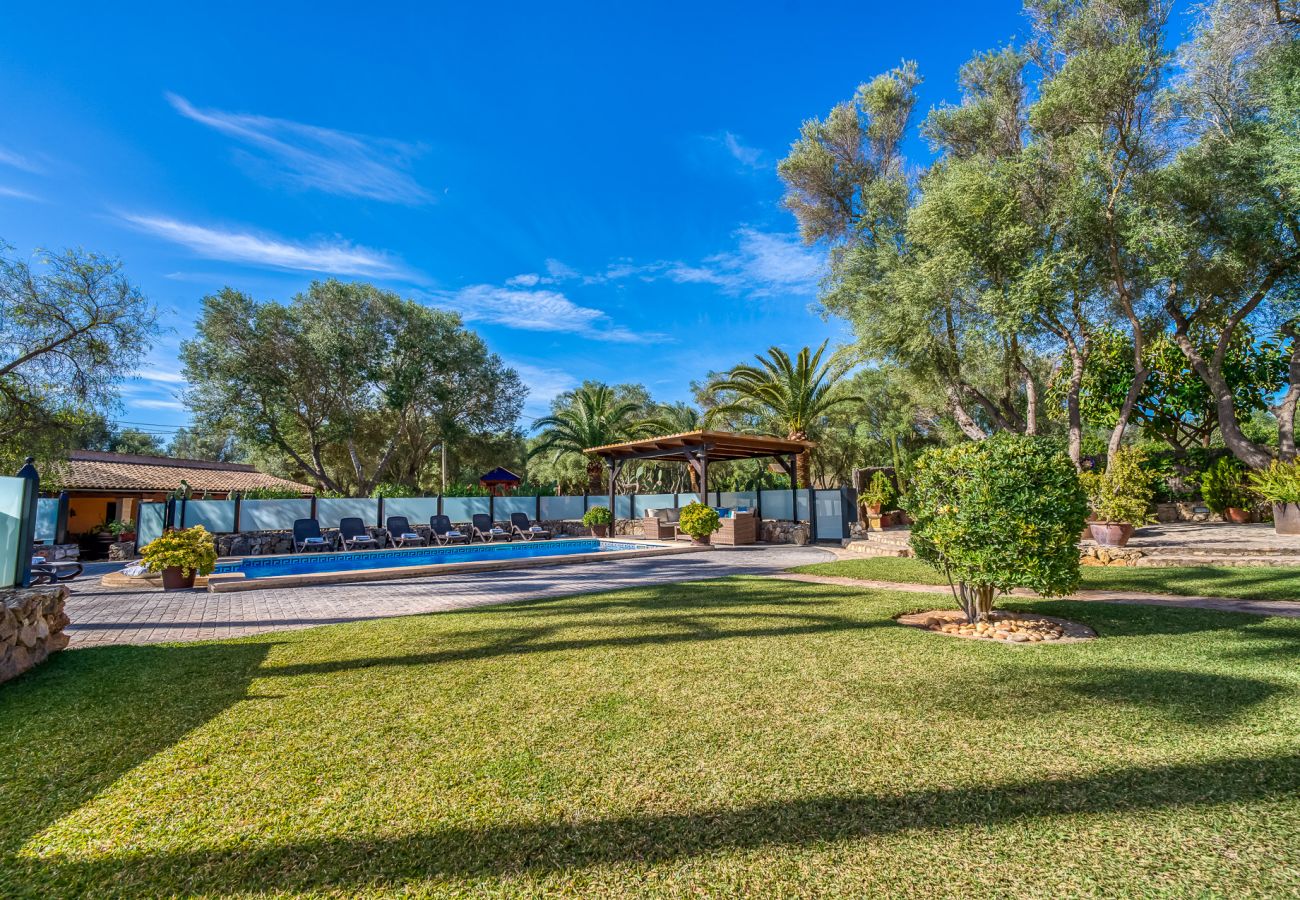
x,y
312,563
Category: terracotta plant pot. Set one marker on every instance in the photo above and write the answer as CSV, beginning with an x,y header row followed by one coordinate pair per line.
x,y
173,580
1086,534
873,510
600,530
1286,518
1111,534
702,541
1236,516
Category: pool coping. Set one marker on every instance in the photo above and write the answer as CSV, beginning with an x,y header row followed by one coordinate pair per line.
x,y
221,583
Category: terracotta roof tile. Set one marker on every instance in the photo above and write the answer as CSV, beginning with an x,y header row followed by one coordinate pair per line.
x,y
94,471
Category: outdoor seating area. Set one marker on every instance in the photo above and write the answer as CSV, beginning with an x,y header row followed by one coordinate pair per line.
x,y
352,533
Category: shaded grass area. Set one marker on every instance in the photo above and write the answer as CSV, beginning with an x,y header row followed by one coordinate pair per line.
x,y
743,736
1243,582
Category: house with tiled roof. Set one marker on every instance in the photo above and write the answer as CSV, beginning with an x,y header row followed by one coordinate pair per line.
x,y
104,487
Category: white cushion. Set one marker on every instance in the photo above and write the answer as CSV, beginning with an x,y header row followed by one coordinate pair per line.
x,y
411,537
313,540
454,533
537,528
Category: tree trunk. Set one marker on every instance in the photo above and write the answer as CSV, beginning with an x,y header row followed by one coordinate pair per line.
x,y
802,461
976,601
595,472
1073,414
1031,398
967,424
1285,411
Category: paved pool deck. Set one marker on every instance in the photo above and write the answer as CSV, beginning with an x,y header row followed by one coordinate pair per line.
x,y
103,615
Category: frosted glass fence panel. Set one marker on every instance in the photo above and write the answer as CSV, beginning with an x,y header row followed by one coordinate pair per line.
x,y
622,506
507,505
13,496
272,515
777,504
738,499
562,507
683,499
329,510
418,510
149,522
47,519
217,516
654,501
830,517
462,509
801,508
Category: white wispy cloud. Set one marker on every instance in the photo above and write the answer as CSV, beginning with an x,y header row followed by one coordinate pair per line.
x,y
324,159
761,264
535,310
528,279
160,376
18,194
327,257
749,157
149,403
544,385
16,160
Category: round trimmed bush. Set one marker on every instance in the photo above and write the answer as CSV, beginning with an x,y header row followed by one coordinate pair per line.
x,y
597,515
699,521
997,514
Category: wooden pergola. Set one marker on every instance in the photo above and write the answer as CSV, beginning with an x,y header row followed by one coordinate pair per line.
x,y
697,449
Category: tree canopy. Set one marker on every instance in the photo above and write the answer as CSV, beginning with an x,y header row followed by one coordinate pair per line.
x,y
347,384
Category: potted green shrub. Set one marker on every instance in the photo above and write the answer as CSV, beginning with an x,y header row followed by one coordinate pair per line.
x,y
878,495
598,519
123,531
1223,485
1279,484
699,521
1119,497
181,555
997,514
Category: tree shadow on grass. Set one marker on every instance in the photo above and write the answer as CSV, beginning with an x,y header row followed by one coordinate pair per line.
x,y
646,630
1187,697
349,864
73,726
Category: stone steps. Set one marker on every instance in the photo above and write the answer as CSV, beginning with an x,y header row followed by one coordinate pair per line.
x,y
895,542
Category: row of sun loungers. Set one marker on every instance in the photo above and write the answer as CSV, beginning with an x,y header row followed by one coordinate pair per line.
x,y
353,534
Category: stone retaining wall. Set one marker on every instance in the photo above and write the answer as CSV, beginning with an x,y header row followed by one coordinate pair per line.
x,y
31,627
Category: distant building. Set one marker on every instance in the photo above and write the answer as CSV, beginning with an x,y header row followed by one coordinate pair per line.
x,y
107,487
500,482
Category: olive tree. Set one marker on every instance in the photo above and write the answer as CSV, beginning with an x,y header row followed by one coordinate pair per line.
x,y
998,514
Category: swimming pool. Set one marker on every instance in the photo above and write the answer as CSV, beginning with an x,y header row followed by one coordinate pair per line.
x,y
364,565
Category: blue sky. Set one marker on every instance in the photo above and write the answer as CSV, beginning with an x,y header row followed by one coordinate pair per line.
x,y
593,186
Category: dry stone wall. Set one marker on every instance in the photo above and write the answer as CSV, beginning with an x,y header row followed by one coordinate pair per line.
x,y
31,627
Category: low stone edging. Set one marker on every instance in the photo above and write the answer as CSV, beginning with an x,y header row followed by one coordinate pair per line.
x,y
31,627
1097,555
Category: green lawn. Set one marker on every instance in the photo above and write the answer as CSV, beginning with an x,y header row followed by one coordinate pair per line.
x,y
1244,582
746,736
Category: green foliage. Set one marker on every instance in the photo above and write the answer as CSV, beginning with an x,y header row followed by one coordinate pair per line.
x,y
349,384
392,489
784,396
1223,486
880,492
592,416
1123,492
119,527
998,514
191,550
272,493
71,328
467,489
1279,483
699,521
597,515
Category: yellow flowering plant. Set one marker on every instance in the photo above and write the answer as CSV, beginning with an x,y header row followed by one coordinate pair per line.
x,y
191,549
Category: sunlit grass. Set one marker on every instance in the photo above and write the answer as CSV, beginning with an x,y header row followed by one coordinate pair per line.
x,y
746,736
1242,582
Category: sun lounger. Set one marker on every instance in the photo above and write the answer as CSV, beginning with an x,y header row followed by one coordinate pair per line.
x,y
483,528
442,532
307,536
355,535
46,572
529,531
402,534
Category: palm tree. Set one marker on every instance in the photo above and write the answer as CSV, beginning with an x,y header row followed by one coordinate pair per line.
x,y
787,395
594,417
